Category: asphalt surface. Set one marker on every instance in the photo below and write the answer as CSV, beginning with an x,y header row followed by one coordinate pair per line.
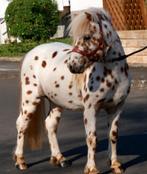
x,y
132,146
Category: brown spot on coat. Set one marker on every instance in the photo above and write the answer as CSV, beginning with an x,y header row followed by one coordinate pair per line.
x,y
91,88
116,81
89,106
102,90
34,76
101,100
62,77
54,54
35,103
25,112
85,121
54,69
29,92
98,78
58,120
66,50
86,98
102,80
36,58
27,81
115,134
70,101
70,86
65,61
57,85
109,84
116,123
105,25
43,63
30,115
113,141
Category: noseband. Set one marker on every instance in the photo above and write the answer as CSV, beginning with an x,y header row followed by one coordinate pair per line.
x,y
90,54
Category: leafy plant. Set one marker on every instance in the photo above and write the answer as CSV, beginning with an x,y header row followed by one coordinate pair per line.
x,y
32,19
20,49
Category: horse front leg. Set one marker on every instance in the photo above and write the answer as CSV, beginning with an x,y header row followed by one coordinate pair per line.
x,y
116,166
51,123
90,128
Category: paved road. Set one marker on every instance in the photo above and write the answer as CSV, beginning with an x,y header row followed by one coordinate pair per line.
x,y
132,142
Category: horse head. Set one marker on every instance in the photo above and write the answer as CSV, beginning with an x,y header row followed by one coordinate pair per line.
x,y
92,36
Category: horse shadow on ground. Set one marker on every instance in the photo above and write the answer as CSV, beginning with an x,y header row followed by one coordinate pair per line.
x,y
128,145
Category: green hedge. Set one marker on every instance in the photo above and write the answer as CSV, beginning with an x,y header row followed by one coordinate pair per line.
x,y
19,49
32,19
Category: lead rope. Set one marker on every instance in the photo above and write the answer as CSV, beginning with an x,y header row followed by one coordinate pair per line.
x,y
125,56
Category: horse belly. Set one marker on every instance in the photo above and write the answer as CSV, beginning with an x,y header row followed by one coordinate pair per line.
x,y
59,93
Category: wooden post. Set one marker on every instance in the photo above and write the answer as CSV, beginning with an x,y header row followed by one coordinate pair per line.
x,y
127,15
144,12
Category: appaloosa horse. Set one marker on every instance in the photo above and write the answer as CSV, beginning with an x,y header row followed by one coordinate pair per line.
x,y
74,77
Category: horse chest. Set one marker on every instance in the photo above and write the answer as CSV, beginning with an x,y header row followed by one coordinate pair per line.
x,y
106,85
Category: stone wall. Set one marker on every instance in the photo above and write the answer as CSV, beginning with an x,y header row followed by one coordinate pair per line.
x,y
133,40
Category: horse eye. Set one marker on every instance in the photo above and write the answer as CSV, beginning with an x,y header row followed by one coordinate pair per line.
x,y
87,38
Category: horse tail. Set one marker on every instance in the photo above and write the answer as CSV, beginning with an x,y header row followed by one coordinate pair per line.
x,y
36,129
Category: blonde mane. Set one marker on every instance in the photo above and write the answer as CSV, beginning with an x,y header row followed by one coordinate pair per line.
x,y
80,23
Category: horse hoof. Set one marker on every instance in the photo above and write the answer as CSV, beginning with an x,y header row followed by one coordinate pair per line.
x,y
20,162
21,166
53,161
117,171
65,163
117,168
91,171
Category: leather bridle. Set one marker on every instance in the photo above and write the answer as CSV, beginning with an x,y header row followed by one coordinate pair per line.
x,y
101,46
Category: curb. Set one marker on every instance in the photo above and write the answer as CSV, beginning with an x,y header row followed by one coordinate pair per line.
x,y
11,59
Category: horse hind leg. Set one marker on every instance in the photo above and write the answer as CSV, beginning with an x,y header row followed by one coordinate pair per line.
x,y
51,123
116,166
28,125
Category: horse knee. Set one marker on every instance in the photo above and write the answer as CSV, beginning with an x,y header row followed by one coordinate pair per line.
x,y
53,119
114,136
91,140
22,123
51,124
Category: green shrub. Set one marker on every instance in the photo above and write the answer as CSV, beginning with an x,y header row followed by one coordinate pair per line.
x,y
19,49
32,19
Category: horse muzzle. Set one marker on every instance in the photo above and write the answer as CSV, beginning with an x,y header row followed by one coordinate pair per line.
x,y
76,69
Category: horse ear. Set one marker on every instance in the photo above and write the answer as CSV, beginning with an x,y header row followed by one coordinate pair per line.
x,y
88,15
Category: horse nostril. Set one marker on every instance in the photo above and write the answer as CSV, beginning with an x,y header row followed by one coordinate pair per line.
x,y
71,68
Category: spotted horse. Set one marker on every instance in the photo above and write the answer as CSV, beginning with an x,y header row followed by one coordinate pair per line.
x,y
74,77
